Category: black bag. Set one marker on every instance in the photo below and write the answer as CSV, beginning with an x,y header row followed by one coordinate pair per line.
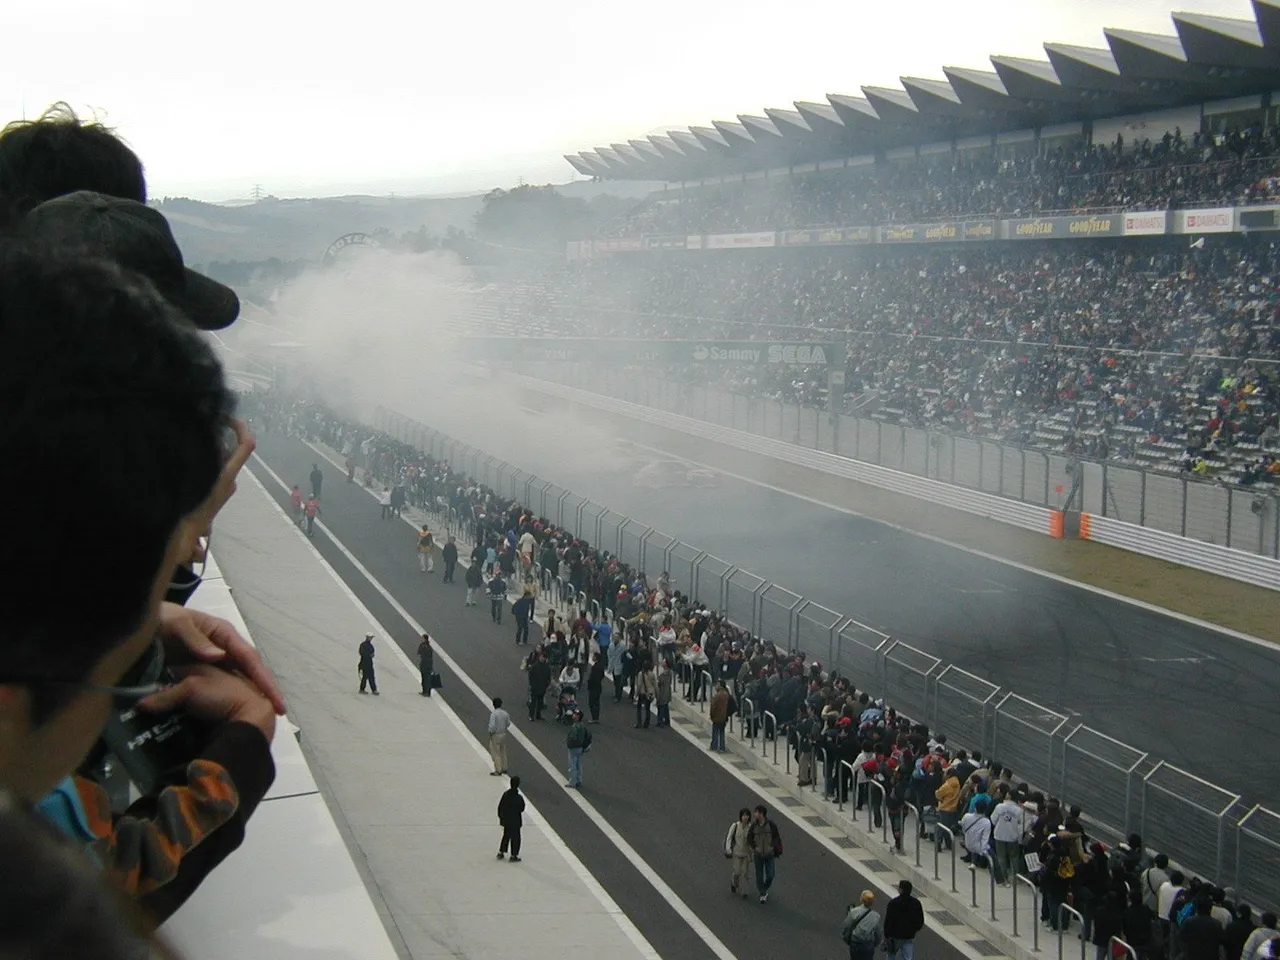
x,y
435,682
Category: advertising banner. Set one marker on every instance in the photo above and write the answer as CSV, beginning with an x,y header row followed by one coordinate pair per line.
x,y
741,241
921,232
693,243
1258,218
1065,228
609,350
828,236
1145,223
665,243
1215,220
619,245
980,230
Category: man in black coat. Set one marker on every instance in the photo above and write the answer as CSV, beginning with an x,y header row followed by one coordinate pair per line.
x,y
450,556
367,675
539,681
510,816
426,663
903,919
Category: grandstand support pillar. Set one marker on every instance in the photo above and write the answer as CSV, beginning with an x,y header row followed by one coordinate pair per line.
x,y
835,402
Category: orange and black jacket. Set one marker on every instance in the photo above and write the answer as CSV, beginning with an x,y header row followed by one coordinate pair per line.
x,y
162,847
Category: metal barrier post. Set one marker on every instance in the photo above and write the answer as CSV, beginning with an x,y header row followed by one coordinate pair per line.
x,y
919,827
840,791
702,700
973,885
1117,942
748,727
1035,909
1062,928
786,753
955,842
764,738
991,876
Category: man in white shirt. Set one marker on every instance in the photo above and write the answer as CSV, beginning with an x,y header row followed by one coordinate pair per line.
x,y
499,724
1006,829
976,830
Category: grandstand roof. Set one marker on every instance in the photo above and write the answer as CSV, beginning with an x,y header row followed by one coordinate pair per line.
x,y
1204,58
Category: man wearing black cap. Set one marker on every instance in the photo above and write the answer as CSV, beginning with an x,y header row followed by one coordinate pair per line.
x,y
139,239
903,920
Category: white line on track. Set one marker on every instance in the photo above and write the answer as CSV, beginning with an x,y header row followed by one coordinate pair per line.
x,y
673,899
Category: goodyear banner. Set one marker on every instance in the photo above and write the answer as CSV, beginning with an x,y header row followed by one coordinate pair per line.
x,y
678,352
1065,228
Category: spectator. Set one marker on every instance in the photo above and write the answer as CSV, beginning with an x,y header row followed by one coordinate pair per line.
x,y
903,920
1201,936
766,845
511,819
737,848
1259,938
862,929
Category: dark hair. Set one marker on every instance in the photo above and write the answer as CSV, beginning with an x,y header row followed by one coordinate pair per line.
x,y
497,703
1162,860
742,811
1176,877
905,887
57,154
103,387
515,783
760,808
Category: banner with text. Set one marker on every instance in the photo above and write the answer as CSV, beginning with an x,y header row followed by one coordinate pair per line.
x,y
1146,223
740,241
1065,228
1216,220
677,352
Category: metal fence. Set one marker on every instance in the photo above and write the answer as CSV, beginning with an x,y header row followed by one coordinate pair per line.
x,y
1244,518
1121,789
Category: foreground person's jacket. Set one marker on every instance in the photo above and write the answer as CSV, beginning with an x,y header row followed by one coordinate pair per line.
x,y
163,846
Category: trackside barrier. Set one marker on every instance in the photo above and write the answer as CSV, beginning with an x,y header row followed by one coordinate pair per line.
x,y
770,726
746,727
1130,951
1018,881
1262,571
1065,911
971,501
1204,827
950,846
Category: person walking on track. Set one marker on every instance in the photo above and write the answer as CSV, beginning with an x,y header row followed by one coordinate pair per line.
x,y
426,550
511,818
427,664
738,850
499,724
367,674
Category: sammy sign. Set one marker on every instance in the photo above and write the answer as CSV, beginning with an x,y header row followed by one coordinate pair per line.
x,y
753,352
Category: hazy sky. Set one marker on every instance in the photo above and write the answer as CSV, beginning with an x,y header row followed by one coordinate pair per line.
x,y
379,96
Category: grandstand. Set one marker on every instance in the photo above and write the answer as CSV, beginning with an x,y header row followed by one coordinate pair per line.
x,y
1072,255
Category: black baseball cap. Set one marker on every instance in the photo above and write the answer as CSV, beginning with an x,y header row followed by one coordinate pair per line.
x,y
139,239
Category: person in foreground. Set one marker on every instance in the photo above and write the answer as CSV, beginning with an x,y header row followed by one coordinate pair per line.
x,y
103,379
511,819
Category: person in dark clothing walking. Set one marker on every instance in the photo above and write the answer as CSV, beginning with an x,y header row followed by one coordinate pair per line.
x,y
367,675
539,681
510,816
524,612
317,479
474,580
903,920
450,556
1201,935
497,590
426,663
595,684
1108,922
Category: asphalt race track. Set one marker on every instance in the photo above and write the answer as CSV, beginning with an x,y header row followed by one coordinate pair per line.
x,y
1153,681
669,800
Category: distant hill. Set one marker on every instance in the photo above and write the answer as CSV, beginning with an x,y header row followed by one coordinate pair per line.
x,y
301,229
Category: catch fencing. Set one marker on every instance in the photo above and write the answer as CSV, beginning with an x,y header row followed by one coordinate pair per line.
x,y
1121,789
1241,518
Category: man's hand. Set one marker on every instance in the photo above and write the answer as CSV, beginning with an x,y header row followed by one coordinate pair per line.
x,y
215,696
192,634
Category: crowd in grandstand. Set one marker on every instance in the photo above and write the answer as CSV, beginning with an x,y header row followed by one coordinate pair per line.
x,y
1181,343
639,634
1240,166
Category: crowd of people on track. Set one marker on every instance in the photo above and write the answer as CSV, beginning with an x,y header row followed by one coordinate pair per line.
x,y
646,643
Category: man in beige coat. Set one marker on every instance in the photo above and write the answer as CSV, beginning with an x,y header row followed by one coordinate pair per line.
x,y
719,712
737,848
